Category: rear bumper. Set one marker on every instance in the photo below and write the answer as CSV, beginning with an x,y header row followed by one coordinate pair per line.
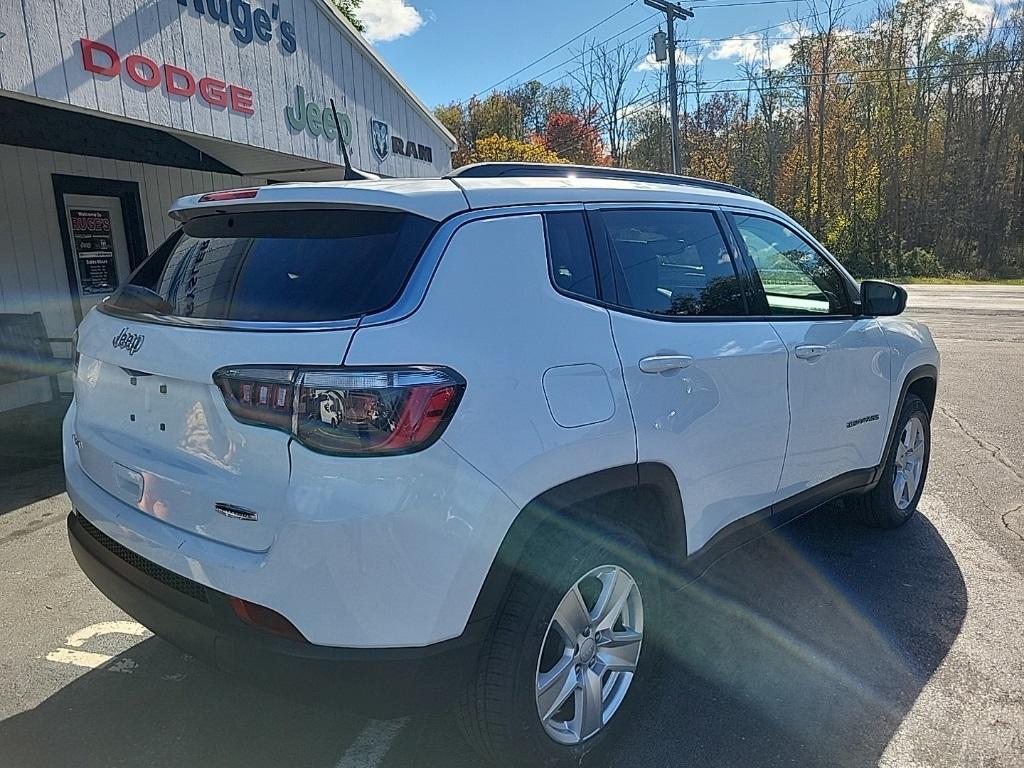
x,y
378,682
390,552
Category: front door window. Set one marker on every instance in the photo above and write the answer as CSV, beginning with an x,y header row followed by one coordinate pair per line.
x,y
797,279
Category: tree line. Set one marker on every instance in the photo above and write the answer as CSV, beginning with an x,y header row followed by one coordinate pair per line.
x,y
898,143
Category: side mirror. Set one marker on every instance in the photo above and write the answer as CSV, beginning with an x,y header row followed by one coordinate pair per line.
x,y
879,298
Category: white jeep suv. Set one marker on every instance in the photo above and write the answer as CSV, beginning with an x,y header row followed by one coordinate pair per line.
x,y
404,442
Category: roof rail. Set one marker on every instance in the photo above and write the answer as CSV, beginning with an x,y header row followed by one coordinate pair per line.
x,y
553,170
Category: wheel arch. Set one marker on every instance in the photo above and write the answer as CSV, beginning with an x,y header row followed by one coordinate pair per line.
x,y
922,381
643,497
925,387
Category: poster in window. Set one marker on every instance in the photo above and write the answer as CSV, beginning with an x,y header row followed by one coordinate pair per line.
x,y
92,233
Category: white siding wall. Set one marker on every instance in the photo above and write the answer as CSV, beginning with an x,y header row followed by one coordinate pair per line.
x,y
41,57
33,275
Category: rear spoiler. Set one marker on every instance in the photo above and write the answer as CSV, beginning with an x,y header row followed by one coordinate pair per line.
x,y
435,199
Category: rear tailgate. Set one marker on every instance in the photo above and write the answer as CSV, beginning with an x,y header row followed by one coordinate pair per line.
x,y
267,287
153,429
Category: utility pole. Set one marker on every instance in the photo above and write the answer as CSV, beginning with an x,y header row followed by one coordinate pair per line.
x,y
672,12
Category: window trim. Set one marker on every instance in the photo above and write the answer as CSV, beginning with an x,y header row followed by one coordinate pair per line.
x,y
607,288
605,262
760,295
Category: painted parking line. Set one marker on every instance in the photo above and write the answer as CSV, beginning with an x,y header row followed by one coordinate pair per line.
x,y
78,658
75,656
371,744
78,639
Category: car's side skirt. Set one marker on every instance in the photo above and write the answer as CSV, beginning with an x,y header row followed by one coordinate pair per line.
x,y
755,525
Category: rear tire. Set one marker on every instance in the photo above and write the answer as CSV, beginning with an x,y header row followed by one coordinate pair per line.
x,y
893,501
528,647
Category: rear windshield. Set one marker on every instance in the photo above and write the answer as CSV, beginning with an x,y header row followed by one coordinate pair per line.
x,y
280,266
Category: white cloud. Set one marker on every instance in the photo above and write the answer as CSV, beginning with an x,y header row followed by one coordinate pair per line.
x,y
750,47
743,47
389,19
982,10
650,63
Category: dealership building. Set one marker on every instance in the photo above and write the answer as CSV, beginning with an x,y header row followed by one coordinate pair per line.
x,y
109,111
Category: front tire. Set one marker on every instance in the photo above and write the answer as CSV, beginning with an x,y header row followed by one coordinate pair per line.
x,y
894,500
569,651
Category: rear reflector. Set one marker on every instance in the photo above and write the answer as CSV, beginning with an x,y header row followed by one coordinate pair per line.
x,y
264,618
231,194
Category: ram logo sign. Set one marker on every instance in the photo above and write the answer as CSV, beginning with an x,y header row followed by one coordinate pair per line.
x,y
380,139
385,144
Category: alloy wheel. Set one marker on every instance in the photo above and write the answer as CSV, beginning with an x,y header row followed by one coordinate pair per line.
x,y
909,463
589,654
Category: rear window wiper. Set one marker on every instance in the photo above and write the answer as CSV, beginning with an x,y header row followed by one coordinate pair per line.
x,y
137,298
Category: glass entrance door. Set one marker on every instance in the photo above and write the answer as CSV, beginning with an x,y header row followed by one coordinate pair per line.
x,y
98,244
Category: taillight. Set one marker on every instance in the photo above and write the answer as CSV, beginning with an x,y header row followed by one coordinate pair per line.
x,y
261,396
346,411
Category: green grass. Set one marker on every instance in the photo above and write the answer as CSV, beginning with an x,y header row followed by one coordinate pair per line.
x,y
955,281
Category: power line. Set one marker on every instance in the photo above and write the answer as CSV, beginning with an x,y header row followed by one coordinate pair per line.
x,y
563,75
833,84
596,45
874,70
655,100
560,47
746,2
711,40
589,48
751,35
604,126
647,31
570,72
755,35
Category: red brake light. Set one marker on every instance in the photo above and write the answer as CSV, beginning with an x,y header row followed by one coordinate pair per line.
x,y
231,194
347,411
422,414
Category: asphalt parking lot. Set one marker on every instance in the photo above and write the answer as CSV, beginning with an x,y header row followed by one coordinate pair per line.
x,y
826,644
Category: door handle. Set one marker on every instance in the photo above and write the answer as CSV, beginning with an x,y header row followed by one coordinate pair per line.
x,y
810,351
662,363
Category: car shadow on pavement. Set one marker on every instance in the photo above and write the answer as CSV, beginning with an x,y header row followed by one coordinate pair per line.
x,y
31,467
20,489
167,710
807,647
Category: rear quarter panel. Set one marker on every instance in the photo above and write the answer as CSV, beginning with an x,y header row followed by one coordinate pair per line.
x,y
492,314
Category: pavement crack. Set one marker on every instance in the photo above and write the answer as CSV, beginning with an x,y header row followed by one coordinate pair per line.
x,y
1005,517
995,452
992,449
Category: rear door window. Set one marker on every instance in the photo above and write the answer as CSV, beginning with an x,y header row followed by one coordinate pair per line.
x,y
283,266
672,262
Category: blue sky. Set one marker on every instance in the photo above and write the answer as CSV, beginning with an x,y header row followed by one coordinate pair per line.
x,y
459,48
447,50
